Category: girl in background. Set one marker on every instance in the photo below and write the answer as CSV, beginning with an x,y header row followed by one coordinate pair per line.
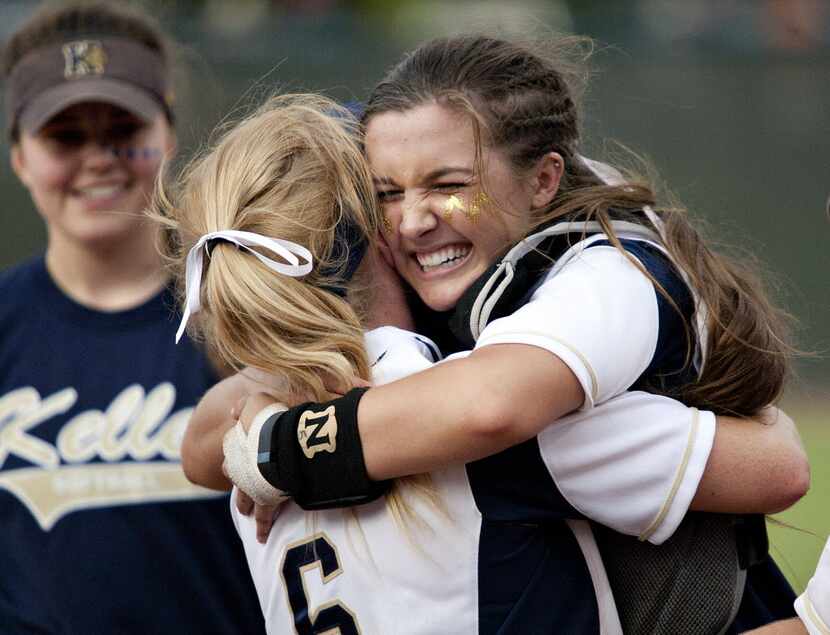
x,y
102,532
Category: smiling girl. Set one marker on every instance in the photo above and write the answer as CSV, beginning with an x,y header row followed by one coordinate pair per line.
x,y
273,220
99,533
473,146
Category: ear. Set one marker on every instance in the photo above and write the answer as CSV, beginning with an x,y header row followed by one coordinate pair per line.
x,y
546,178
19,164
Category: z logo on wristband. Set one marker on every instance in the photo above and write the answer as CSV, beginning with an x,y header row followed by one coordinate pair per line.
x,y
317,432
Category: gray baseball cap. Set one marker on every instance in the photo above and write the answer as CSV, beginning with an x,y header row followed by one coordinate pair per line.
x,y
107,69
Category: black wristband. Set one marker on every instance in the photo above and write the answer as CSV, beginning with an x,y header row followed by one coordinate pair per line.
x,y
313,453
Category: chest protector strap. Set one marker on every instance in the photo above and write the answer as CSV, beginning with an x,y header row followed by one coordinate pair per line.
x,y
508,283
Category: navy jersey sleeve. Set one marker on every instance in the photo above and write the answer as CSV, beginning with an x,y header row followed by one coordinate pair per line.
x,y
671,364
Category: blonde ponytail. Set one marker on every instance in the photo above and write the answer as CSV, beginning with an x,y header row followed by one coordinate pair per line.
x,y
292,170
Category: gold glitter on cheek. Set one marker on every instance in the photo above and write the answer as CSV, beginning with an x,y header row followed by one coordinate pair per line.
x,y
387,225
453,203
476,206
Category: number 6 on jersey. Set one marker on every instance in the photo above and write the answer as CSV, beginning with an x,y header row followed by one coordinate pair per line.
x,y
332,617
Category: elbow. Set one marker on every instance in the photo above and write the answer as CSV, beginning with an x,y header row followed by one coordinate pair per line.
x,y
791,483
495,423
798,483
192,474
789,469
198,467
190,463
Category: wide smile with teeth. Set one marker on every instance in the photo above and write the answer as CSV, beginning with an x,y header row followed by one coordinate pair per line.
x,y
445,257
97,192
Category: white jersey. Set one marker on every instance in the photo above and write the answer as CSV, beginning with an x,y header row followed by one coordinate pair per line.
x,y
596,311
498,552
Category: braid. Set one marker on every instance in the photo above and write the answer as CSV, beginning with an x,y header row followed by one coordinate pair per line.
x,y
523,103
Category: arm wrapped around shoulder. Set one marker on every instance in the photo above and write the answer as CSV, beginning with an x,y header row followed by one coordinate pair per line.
x,y
313,453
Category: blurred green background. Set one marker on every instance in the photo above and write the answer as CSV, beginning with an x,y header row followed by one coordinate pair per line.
x,y
729,99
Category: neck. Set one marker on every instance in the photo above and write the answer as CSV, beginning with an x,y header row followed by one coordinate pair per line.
x,y
108,278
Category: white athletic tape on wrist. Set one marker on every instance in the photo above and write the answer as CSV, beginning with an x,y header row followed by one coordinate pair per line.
x,y
813,606
240,462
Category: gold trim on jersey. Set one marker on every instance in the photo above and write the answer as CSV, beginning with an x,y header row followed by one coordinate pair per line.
x,y
814,616
678,477
519,334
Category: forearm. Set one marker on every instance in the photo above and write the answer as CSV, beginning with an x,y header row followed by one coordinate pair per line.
x,y
202,443
464,409
756,466
784,627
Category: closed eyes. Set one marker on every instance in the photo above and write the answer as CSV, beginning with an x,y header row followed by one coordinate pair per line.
x,y
390,196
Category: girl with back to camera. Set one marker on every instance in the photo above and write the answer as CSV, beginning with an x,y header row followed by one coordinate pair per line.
x,y
473,146
268,219
102,532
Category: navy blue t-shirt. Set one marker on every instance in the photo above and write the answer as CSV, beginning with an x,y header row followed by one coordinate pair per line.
x,y
102,533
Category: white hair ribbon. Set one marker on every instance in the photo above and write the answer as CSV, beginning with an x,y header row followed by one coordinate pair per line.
x,y
286,249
